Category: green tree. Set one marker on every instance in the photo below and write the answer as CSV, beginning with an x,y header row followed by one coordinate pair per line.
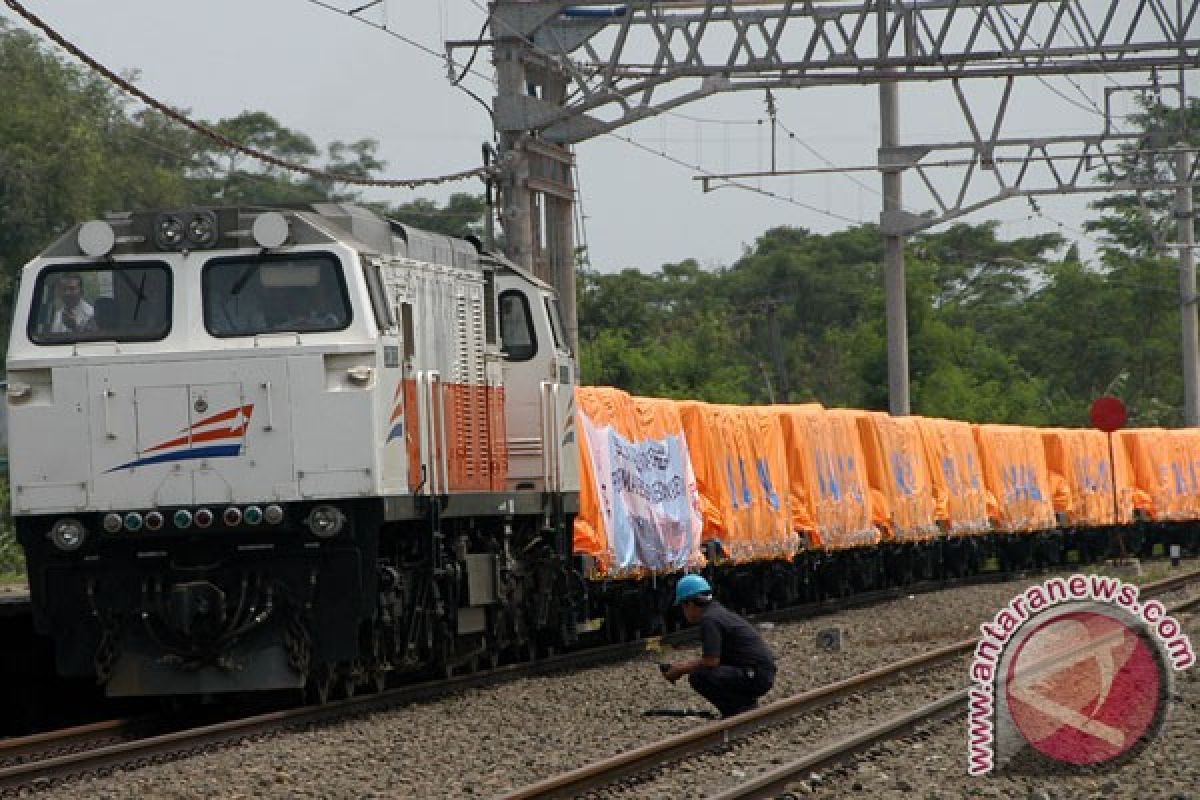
x,y
669,334
462,215
1136,226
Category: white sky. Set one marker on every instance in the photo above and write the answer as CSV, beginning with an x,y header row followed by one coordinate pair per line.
x,y
336,79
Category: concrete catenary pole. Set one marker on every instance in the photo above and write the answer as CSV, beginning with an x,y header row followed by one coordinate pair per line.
x,y
1185,216
893,243
516,214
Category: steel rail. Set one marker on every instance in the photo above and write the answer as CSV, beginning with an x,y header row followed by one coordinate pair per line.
x,y
720,732
709,736
771,783
22,747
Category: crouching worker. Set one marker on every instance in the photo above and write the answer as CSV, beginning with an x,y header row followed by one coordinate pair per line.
x,y
735,667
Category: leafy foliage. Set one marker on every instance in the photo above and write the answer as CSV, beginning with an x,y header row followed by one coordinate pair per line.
x,y
462,215
12,558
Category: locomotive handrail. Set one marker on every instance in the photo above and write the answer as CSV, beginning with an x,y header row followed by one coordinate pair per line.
x,y
104,397
438,417
433,432
551,468
270,426
425,437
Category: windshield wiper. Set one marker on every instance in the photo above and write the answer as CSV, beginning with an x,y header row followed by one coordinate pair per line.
x,y
242,280
138,291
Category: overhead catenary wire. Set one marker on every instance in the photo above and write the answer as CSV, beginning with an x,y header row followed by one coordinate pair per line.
x,y
445,58
709,173
220,138
408,40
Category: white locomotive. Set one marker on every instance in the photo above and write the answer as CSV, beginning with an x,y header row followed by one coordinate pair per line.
x,y
266,448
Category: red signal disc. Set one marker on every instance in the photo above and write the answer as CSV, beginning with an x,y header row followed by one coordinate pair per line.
x,y
1109,414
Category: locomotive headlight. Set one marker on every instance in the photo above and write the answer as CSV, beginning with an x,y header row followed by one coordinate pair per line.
x,y
325,521
183,519
133,522
253,515
113,523
68,535
360,375
202,229
273,514
204,518
154,521
232,517
169,232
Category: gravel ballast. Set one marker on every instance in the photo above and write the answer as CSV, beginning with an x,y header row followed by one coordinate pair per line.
x,y
481,742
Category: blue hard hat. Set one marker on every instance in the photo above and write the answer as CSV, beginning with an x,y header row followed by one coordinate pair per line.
x,y
689,586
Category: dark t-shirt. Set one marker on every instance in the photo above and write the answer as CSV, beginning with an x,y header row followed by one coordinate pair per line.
x,y
725,634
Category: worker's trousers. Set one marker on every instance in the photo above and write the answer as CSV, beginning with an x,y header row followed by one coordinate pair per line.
x,y
732,689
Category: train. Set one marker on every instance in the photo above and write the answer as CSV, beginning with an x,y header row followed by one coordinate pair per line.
x,y
311,448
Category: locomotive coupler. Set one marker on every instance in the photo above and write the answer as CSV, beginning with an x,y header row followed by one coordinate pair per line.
x,y
196,605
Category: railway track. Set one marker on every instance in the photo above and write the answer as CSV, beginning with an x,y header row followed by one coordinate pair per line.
x,y
39,746
46,758
656,756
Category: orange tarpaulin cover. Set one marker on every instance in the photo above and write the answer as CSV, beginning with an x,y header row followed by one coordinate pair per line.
x,y
741,472
1146,448
956,472
638,504
1185,471
827,477
1166,470
1129,497
1141,447
899,473
1078,458
1014,471
803,508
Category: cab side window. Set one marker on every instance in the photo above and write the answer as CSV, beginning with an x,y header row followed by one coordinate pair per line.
x,y
518,340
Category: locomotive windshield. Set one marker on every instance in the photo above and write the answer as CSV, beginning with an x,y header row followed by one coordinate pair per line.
x,y
114,303
302,294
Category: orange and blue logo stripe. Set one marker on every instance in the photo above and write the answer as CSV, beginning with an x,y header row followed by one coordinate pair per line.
x,y
396,421
219,435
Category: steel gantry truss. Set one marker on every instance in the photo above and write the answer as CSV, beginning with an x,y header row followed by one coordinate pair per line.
x,y
993,167
629,61
570,71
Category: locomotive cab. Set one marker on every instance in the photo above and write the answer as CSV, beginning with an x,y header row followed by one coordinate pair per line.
x,y
537,357
238,437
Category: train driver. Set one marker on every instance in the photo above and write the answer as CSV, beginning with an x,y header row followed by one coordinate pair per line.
x,y
736,667
74,314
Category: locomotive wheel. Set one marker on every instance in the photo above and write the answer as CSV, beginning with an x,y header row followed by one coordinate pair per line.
x,y
445,662
491,655
348,683
616,628
320,684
